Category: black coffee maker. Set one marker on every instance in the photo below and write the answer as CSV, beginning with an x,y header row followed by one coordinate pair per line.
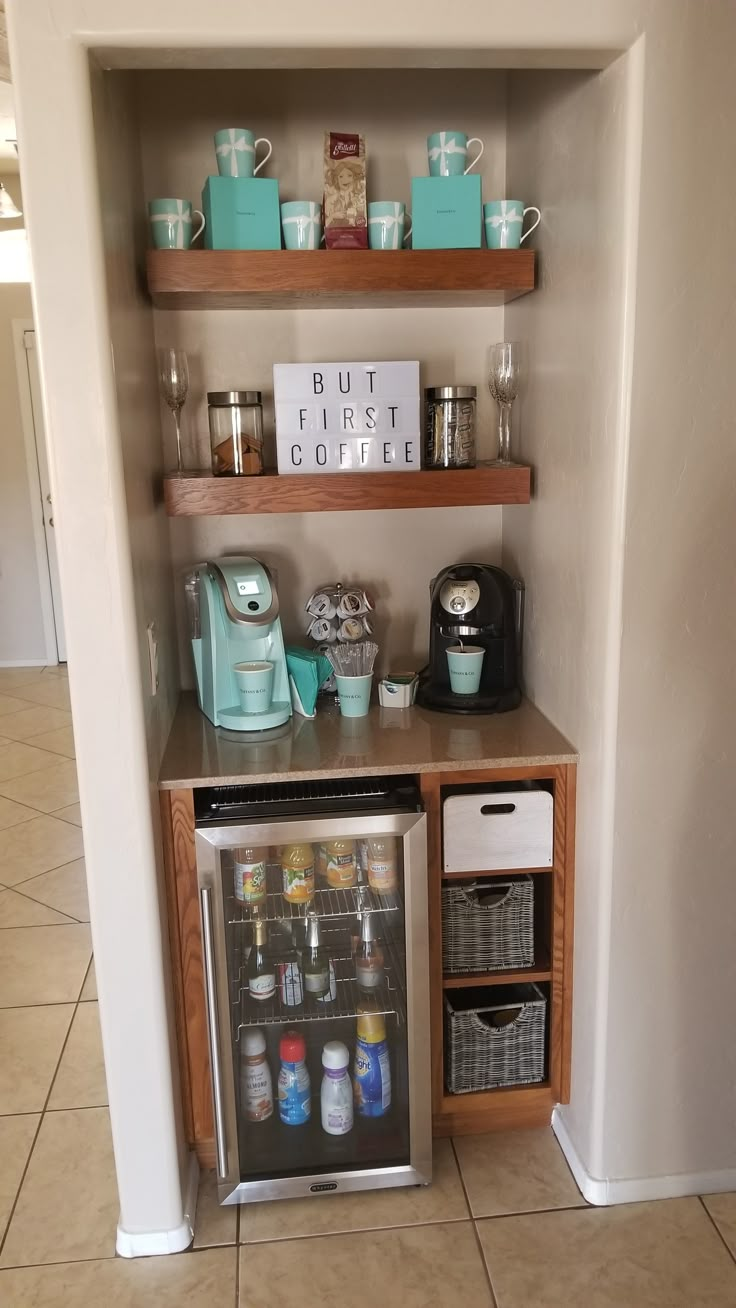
x,y
479,605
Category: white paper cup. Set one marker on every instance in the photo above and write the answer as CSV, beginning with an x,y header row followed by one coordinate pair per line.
x,y
465,663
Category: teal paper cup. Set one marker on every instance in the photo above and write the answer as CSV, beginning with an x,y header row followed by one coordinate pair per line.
x,y
355,695
255,685
465,663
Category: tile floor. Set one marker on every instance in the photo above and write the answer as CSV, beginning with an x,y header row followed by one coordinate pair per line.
x,y
503,1225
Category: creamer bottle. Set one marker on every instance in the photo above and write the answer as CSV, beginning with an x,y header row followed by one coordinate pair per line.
x,y
336,1095
297,868
371,1067
255,1077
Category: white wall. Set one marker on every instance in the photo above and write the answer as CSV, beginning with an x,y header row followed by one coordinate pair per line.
x,y
566,153
670,1106
21,627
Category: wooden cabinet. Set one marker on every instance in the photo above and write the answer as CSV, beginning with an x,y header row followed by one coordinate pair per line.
x,y
552,970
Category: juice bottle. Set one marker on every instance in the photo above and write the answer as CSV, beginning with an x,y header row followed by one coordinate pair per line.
x,y
382,864
250,874
371,1067
297,867
255,1077
342,868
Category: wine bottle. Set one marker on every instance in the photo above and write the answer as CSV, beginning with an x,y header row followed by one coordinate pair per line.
x,y
369,958
315,961
261,971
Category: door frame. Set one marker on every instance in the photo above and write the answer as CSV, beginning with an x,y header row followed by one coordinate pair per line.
x,y
19,327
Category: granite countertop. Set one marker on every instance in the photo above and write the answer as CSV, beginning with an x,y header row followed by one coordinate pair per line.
x,y
387,741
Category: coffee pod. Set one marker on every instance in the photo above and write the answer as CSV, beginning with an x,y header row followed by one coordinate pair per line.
x,y
322,630
320,605
350,629
352,603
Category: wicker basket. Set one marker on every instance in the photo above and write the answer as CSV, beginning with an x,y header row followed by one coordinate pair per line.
x,y
488,926
494,1038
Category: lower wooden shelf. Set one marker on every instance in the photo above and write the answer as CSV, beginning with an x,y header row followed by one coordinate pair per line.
x,y
496,872
507,1108
541,971
193,494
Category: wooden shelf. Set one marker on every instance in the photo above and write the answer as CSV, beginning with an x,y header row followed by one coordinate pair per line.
x,y
192,494
506,1109
324,279
541,971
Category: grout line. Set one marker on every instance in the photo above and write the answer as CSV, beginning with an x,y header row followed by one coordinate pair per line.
x,y
478,1242
44,1110
538,1212
717,1228
359,1230
105,1258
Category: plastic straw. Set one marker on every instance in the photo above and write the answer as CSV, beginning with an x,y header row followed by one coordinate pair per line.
x,y
353,660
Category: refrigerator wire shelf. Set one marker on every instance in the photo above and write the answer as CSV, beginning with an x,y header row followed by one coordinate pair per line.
x,y
387,999
326,903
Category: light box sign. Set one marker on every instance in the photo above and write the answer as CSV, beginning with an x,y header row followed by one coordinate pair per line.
x,y
347,417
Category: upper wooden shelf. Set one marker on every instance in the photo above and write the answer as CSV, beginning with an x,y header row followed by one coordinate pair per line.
x,y
192,494
319,279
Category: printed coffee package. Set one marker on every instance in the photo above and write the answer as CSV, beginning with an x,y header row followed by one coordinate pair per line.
x,y
346,206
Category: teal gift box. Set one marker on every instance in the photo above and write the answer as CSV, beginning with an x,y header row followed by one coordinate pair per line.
x,y
241,213
446,213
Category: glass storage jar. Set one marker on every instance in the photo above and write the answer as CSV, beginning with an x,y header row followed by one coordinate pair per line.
x,y
450,430
236,433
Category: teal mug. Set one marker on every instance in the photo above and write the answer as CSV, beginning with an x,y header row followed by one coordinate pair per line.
x,y
504,220
255,686
448,152
301,223
386,224
172,223
235,148
465,664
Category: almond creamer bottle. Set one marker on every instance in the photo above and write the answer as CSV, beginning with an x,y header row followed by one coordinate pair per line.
x,y
342,868
297,867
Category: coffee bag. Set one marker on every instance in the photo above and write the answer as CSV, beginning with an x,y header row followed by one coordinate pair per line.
x,y
346,206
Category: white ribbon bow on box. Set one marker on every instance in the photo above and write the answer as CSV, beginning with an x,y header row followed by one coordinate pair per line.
x,y
309,225
444,148
178,218
505,216
231,148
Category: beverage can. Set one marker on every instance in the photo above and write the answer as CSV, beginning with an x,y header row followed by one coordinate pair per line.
x,y
290,984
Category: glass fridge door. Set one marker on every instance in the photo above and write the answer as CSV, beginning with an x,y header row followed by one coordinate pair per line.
x,y
316,970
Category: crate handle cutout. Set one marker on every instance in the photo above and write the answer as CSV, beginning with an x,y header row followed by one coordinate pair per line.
x,y
489,810
487,1022
475,895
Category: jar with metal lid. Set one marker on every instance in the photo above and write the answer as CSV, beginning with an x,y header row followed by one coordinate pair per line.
x,y
236,433
450,430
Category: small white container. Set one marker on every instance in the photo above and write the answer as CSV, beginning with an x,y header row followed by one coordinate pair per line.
x,y
396,694
336,1095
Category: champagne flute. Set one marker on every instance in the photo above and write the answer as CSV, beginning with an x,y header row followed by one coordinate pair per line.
x,y
503,383
173,374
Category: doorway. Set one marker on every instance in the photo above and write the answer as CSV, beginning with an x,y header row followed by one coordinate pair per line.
x,y
44,529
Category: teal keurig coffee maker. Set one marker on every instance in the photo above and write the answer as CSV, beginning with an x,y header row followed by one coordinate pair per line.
x,y
242,678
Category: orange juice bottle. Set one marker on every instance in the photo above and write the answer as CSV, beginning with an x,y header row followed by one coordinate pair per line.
x,y
297,868
342,867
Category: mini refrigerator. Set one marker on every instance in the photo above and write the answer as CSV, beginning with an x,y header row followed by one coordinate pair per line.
x,y
367,890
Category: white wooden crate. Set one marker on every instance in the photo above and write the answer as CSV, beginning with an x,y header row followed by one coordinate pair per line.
x,y
498,829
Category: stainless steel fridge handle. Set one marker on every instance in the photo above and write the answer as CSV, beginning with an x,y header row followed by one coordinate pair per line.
x,y
205,900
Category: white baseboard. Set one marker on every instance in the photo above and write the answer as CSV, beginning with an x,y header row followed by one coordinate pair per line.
x,y
149,1244
24,663
607,1192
